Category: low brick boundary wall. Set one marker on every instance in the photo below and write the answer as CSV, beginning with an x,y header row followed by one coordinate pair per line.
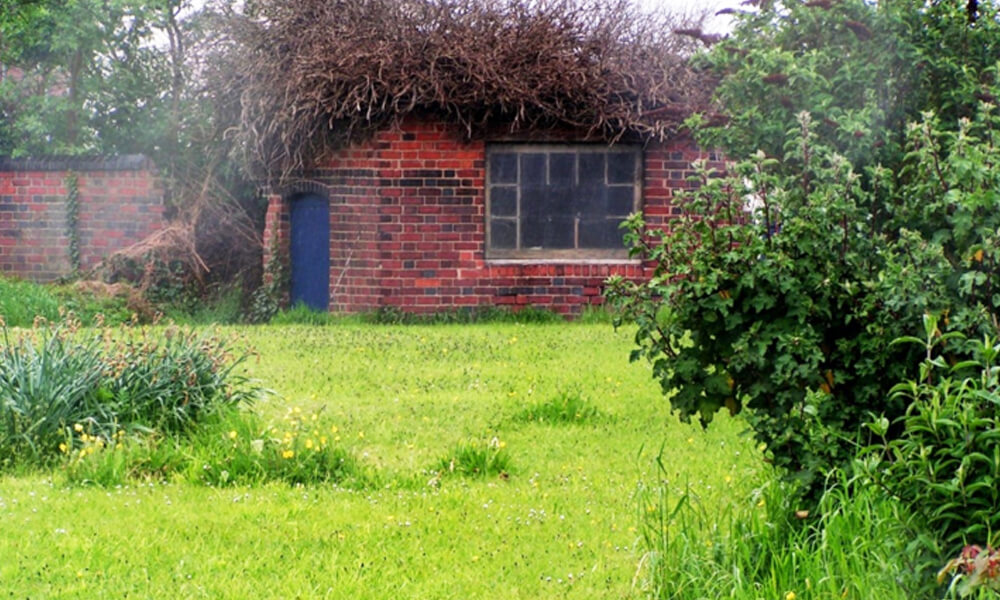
x,y
119,202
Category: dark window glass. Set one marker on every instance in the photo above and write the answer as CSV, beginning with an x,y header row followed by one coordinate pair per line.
x,y
560,232
503,201
621,167
503,234
591,200
621,200
532,233
562,169
503,168
532,169
560,198
602,233
534,201
591,168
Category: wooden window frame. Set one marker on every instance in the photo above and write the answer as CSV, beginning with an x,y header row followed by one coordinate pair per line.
x,y
576,254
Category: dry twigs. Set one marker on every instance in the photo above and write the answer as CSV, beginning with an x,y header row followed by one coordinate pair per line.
x,y
309,75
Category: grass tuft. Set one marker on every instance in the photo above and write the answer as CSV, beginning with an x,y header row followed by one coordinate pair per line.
x,y
476,459
566,408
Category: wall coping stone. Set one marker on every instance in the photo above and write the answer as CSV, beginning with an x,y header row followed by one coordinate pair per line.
x,y
125,162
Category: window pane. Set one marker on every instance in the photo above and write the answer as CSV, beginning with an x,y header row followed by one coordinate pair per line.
x,y
600,233
621,200
559,200
532,232
562,169
534,204
559,232
532,169
591,201
621,167
503,201
503,167
553,233
503,234
591,167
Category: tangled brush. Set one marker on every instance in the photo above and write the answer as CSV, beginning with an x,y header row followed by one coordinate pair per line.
x,y
302,77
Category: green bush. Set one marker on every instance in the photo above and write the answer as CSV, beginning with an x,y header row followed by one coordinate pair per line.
x,y
61,386
945,462
782,284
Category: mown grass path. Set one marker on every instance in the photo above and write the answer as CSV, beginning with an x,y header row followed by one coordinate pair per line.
x,y
561,526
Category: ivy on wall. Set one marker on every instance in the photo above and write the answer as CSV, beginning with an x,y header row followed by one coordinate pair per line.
x,y
73,220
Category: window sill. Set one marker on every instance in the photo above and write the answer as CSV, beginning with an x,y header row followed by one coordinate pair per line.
x,y
563,261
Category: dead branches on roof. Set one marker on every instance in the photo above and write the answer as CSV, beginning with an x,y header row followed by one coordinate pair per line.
x,y
308,75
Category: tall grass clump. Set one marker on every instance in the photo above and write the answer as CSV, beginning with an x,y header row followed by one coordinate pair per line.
x,y
61,386
860,544
22,301
476,459
566,407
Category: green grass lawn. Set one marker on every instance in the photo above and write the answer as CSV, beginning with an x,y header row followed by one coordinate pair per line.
x,y
561,525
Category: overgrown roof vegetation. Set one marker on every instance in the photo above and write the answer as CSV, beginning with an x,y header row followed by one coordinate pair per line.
x,y
309,75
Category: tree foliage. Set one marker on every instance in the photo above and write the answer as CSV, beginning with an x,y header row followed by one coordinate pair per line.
x,y
851,208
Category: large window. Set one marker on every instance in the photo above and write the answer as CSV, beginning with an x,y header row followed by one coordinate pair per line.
x,y
559,201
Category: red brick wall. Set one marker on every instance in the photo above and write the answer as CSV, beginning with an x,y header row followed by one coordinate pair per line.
x,y
119,204
408,226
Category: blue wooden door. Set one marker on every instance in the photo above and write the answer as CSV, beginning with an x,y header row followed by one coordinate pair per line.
x,y
310,251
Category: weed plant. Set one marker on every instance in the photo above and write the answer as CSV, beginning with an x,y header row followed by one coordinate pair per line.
x,y
59,383
566,407
475,458
231,447
945,464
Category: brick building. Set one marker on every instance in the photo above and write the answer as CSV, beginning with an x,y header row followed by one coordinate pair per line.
x,y
423,219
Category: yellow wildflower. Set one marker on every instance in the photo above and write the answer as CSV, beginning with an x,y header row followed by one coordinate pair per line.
x,y
77,428
232,435
288,454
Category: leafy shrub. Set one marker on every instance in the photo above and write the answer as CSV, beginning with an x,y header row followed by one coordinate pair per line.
x,y
565,407
122,459
780,287
476,459
945,462
59,383
21,302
